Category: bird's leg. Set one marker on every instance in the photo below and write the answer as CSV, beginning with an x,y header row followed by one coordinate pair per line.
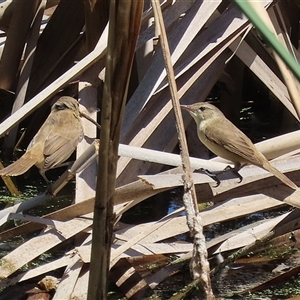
x,y
42,172
235,171
64,164
214,176
211,175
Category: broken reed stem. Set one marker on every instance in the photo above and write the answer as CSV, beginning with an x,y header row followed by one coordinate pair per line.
x,y
199,264
230,259
243,251
124,27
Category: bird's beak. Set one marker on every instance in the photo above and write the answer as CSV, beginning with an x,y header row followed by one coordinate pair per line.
x,y
186,107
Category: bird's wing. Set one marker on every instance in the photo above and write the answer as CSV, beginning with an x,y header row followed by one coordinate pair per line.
x,y
60,144
234,141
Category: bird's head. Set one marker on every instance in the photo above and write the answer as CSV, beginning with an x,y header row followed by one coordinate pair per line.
x,y
66,102
202,111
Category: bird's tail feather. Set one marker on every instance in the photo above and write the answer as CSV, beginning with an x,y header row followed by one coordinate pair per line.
x,y
23,164
280,176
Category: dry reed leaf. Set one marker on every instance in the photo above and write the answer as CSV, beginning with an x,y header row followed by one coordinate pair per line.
x,y
48,267
81,288
68,281
171,16
40,244
179,39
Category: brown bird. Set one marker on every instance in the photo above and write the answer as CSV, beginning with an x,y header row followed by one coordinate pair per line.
x,y
224,139
54,142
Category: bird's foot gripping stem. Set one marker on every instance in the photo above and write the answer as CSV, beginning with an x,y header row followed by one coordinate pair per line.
x,y
234,171
214,175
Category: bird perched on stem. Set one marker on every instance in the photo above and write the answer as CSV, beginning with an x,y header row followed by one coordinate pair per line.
x,y
224,139
54,142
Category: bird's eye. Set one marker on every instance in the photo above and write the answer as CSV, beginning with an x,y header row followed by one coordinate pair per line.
x,y
202,108
61,106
